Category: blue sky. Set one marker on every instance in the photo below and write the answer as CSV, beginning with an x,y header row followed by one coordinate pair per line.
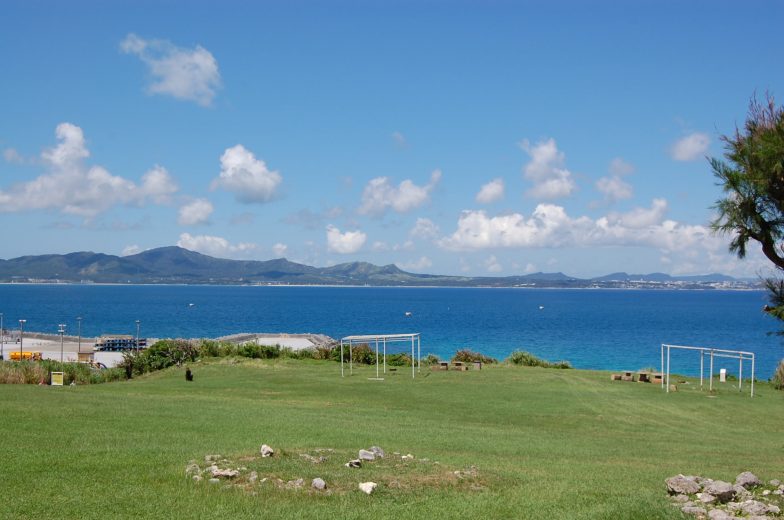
x,y
482,138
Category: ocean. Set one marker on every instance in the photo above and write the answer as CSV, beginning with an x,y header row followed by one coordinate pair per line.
x,y
591,328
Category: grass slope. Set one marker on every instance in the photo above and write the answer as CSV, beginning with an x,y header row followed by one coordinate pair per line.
x,y
546,443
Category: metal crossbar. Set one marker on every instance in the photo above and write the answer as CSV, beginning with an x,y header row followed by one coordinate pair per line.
x,y
740,355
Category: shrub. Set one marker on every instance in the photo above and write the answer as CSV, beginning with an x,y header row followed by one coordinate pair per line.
x,y
523,358
363,354
778,376
431,359
469,356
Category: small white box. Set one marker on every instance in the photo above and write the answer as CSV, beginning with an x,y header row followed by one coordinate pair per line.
x,y
723,375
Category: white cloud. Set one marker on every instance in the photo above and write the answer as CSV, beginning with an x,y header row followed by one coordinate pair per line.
x,y
279,250
12,156
551,227
530,268
247,177
399,139
131,250
379,246
690,147
379,195
344,243
195,212
190,74
620,167
424,229
614,188
417,265
546,171
493,265
491,192
215,246
72,187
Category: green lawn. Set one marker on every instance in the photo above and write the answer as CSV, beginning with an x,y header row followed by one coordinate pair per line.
x,y
545,443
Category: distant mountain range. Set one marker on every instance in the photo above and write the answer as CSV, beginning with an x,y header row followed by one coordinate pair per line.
x,y
173,265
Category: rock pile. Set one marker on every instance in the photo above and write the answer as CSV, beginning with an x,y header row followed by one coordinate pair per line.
x,y
706,498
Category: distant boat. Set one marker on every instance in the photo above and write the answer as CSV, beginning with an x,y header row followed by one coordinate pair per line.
x,y
191,305
541,307
408,313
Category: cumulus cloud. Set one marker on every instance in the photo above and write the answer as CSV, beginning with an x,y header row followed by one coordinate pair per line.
x,y
72,187
493,265
279,250
344,243
380,195
132,249
690,147
417,265
399,139
549,226
189,74
424,229
620,167
546,171
614,188
215,246
195,212
491,192
12,156
246,176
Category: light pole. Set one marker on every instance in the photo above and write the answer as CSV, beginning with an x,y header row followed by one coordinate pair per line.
x,y
137,336
21,338
79,322
62,333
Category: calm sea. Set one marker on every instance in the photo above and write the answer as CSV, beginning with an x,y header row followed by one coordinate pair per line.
x,y
603,329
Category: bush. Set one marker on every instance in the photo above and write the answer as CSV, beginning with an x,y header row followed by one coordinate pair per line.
x,y
431,359
469,356
778,376
526,359
363,354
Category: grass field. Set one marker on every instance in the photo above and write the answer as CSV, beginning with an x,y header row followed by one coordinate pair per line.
x,y
545,443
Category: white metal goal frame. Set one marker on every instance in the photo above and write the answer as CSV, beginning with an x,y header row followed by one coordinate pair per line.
x,y
740,355
381,340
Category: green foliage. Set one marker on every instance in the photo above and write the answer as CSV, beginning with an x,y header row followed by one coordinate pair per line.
x,y
523,358
431,359
38,372
469,356
753,180
778,376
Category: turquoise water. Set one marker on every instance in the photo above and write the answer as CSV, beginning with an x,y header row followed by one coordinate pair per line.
x,y
604,329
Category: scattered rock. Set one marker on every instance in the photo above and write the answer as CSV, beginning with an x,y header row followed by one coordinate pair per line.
x,y
723,491
366,455
377,451
318,483
356,463
681,485
754,508
311,458
214,480
766,492
192,469
296,484
368,487
778,492
681,498
694,510
224,473
253,477
748,480
407,457
197,478
706,498
775,482
718,514
266,451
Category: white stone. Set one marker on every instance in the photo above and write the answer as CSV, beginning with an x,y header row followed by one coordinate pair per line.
x,y
366,455
377,451
266,451
367,487
318,483
356,463
214,480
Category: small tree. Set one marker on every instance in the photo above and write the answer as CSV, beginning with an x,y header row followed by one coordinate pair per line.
x,y
753,181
